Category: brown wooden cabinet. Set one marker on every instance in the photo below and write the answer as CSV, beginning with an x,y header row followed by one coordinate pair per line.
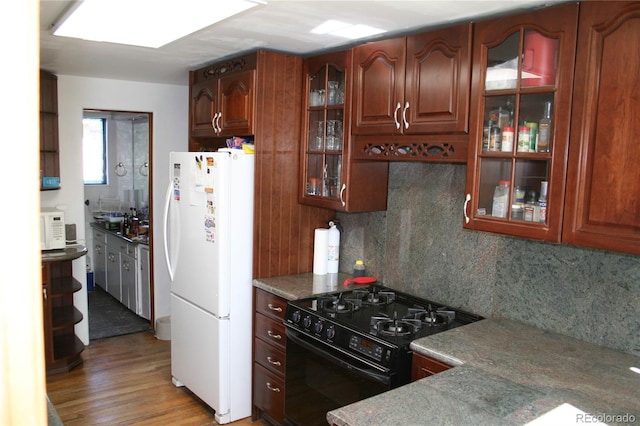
x,y
49,146
329,178
509,98
417,87
423,366
269,356
222,100
602,206
62,347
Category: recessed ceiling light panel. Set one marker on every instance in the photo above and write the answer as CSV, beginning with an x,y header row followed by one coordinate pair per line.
x,y
146,23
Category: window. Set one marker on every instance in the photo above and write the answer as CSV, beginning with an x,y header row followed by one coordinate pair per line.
x,y
94,153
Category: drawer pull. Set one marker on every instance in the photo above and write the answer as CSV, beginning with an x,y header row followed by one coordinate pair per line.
x,y
272,388
274,308
272,362
274,335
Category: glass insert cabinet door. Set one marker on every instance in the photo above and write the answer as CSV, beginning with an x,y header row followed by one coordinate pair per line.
x,y
515,180
323,154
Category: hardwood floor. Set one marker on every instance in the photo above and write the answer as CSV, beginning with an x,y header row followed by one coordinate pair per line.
x,y
126,380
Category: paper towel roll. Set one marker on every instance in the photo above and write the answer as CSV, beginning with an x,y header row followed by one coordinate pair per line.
x,y
320,251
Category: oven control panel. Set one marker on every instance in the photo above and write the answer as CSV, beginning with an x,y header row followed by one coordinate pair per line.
x,y
334,335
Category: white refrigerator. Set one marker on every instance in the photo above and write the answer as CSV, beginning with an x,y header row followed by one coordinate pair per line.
x,y
208,233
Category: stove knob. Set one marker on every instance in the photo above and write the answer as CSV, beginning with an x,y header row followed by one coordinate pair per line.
x,y
306,322
331,332
318,327
296,317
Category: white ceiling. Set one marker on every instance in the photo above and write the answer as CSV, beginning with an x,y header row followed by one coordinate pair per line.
x,y
279,25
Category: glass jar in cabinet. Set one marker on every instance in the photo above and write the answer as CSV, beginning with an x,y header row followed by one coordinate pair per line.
x,y
520,123
328,178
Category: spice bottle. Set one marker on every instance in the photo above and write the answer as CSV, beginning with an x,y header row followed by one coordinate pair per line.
x,y
529,206
495,139
542,201
507,139
524,137
544,129
359,269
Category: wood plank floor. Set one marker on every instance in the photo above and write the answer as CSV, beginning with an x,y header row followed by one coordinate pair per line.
x,y
126,380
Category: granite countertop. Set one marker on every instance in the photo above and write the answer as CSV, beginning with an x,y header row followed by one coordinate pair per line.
x,y
70,252
291,287
141,239
507,373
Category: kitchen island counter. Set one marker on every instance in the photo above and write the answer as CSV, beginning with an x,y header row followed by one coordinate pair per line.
x,y
507,373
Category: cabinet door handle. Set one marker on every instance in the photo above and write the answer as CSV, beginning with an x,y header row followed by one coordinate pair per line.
x,y
272,362
344,188
213,122
272,388
218,126
464,209
44,293
404,115
395,115
274,335
274,308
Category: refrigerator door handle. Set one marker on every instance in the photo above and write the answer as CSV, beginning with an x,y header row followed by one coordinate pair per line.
x,y
165,229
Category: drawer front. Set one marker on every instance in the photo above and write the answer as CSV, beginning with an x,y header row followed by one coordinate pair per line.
x,y
270,330
268,393
270,305
270,357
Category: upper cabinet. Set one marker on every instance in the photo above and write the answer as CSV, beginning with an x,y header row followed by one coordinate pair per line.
x,y
602,207
329,177
521,97
222,99
413,86
49,150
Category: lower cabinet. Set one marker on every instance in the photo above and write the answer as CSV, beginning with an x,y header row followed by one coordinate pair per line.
x,y
121,268
423,366
269,357
100,258
62,346
143,307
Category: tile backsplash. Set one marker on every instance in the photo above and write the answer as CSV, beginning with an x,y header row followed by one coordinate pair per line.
x,y
419,246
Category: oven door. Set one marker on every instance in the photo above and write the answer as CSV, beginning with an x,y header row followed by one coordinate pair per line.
x,y
319,379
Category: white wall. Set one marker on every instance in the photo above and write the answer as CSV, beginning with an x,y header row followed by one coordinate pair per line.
x,y
169,105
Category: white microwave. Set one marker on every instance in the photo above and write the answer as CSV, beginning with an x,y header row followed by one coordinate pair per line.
x,y
52,230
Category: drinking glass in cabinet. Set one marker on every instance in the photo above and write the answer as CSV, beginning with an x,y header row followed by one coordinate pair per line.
x,y
316,136
334,175
316,98
315,174
332,92
334,135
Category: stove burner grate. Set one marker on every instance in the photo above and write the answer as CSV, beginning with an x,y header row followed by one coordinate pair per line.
x,y
431,317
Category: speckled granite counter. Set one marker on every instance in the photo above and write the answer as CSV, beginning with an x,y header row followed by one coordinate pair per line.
x,y
507,373
70,252
293,287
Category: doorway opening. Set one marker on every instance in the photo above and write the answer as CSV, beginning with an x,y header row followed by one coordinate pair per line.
x,y
118,195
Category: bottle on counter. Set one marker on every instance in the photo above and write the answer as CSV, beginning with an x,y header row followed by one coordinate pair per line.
x,y
501,199
334,249
359,269
544,129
